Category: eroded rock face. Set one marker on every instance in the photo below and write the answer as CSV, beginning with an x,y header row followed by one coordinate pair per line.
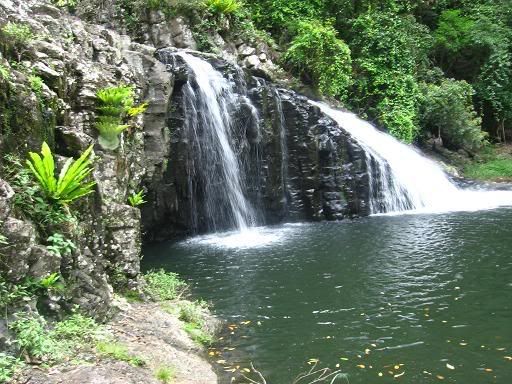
x,y
297,163
75,59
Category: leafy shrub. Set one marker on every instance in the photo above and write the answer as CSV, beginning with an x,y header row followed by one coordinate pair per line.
x,y
77,328
5,74
59,245
115,105
161,285
12,293
34,336
277,15
192,311
223,7
70,184
136,199
8,366
50,282
18,36
317,54
71,4
35,340
446,110
18,33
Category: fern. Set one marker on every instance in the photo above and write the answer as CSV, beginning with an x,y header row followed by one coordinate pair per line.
x,y
136,199
70,184
224,7
115,105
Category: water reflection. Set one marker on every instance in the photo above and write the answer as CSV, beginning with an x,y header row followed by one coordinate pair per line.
x,y
423,291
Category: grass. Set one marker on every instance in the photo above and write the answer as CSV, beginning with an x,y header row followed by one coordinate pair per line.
x,y
198,334
493,167
498,170
118,351
165,374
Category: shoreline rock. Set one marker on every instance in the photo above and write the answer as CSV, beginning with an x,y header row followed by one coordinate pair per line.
x,y
148,332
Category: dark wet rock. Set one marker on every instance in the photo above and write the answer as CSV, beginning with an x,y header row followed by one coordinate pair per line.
x,y
298,164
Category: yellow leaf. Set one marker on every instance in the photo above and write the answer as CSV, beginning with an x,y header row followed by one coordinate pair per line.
x,y
488,370
396,366
508,358
440,377
246,370
380,374
360,366
449,366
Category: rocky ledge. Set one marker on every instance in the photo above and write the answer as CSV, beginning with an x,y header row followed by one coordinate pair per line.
x,y
150,333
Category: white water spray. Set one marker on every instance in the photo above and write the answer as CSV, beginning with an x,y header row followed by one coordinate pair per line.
x,y
209,102
403,179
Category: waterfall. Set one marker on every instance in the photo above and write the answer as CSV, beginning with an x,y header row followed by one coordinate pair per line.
x,y
209,102
401,179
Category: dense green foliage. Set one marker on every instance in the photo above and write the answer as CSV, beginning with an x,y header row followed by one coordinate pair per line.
x,y
399,54
53,345
446,111
318,55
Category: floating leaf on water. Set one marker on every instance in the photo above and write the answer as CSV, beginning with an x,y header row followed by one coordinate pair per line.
x,y
487,369
221,361
463,344
338,365
449,366
367,351
259,323
509,358
245,322
373,345
399,374
246,370
440,377
396,367
380,374
313,361
360,366
500,349
344,358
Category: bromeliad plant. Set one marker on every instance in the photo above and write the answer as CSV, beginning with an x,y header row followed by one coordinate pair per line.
x,y
115,107
70,184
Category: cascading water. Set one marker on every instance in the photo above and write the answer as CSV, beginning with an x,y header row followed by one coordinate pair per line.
x,y
208,100
401,179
